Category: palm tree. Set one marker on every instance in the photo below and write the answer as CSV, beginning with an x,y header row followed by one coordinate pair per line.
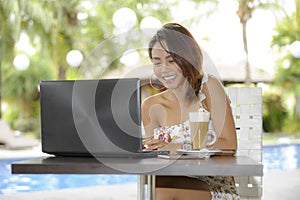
x,y
10,30
65,13
244,12
54,29
11,24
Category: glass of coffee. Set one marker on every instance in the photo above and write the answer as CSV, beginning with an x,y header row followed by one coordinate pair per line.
x,y
199,122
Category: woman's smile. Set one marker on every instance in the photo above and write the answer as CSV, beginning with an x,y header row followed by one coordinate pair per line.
x,y
169,78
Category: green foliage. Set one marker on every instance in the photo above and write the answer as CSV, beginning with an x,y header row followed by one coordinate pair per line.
x,y
20,91
28,125
288,71
274,113
11,114
54,28
291,125
24,84
287,31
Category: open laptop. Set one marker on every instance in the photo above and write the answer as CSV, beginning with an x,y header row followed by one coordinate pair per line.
x,y
100,118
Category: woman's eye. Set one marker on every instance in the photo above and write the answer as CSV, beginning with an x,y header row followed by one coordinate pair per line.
x,y
171,61
157,64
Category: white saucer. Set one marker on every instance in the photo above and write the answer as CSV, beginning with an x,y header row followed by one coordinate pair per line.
x,y
199,153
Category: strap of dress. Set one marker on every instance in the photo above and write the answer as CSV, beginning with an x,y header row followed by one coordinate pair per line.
x,y
202,96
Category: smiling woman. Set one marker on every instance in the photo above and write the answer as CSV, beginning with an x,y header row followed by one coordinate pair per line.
x,y
178,64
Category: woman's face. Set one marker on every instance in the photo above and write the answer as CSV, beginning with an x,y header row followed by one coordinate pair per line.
x,y
165,68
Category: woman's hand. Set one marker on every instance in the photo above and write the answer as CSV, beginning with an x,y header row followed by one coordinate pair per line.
x,y
150,143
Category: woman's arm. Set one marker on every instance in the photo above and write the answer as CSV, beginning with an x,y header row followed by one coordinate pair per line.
x,y
150,117
218,104
149,120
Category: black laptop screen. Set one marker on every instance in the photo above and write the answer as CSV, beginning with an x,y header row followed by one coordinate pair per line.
x,y
90,116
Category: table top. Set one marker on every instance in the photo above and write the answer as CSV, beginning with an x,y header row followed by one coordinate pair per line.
x,y
213,166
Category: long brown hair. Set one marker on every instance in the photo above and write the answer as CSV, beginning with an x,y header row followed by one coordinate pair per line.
x,y
185,51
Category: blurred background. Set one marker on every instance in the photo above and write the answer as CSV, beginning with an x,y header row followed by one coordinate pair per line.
x,y
250,43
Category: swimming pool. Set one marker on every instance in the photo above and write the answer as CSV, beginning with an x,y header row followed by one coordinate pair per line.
x,y
12,183
275,157
281,157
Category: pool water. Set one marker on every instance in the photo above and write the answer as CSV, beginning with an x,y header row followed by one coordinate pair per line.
x,y
275,157
281,157
13,183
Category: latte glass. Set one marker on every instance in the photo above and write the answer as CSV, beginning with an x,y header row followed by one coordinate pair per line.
x,y
199,122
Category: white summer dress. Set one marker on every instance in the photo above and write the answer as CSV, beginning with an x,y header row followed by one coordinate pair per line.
x,y
221,187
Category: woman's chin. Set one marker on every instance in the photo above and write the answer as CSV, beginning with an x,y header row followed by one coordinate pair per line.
x,y
172,86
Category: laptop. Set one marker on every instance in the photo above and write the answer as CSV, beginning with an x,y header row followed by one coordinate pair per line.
x,y
99,118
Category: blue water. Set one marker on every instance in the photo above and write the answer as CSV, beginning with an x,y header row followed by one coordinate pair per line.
x,y
275,157
281,157
12,183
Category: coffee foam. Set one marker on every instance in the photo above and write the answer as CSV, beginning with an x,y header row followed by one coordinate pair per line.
x,y
199,116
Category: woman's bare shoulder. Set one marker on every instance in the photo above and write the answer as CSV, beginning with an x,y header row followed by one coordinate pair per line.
x,y
213,85
214,81
154,99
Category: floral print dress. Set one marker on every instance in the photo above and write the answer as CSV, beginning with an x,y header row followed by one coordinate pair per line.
x,y
221,187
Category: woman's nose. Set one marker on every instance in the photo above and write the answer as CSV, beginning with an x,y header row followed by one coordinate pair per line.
x,y
165,67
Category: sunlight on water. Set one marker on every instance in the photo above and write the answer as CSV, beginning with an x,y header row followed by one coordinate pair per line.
x,y
281,157
31,183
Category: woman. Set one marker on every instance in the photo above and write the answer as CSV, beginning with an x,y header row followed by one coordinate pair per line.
x,y
177,63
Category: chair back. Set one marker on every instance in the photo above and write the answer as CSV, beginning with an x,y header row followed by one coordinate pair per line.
x,y
246,103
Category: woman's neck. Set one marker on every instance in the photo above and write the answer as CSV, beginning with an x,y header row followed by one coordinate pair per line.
x,y
180,93
181,97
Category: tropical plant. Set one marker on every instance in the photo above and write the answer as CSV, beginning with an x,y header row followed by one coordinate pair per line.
x,y
13,18
288,73
54,28
274,114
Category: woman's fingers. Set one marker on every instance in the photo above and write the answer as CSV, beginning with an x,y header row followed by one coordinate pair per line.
x,y
147,143
147,139
157,144
151,144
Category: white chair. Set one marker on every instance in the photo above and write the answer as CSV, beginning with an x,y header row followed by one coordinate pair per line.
x,y
246,103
